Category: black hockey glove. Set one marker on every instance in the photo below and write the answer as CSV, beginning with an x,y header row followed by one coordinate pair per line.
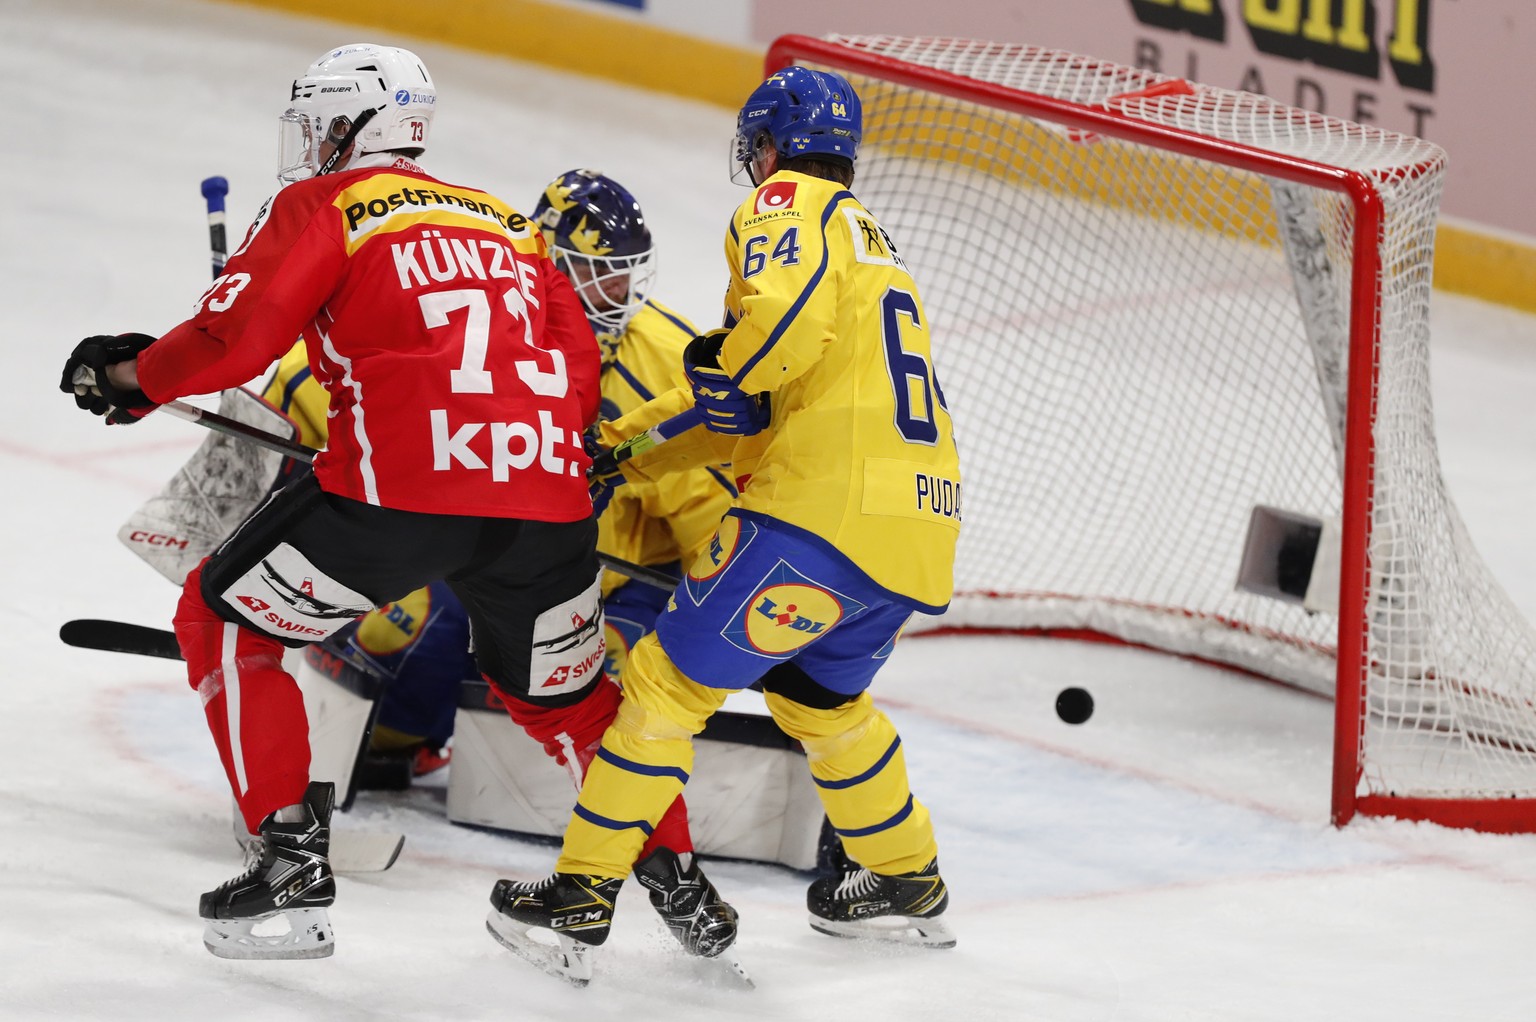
x,y
603,477
85,376
727,408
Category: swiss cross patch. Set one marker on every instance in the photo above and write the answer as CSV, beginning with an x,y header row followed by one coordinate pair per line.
x,y
774,197
252,602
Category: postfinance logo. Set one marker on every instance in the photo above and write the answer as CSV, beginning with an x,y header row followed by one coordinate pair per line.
x,y
1351,36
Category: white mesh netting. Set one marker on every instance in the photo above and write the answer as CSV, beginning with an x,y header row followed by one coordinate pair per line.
x,y
1139,347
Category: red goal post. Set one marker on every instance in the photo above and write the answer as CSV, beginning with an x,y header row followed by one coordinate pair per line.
x,y
1185,335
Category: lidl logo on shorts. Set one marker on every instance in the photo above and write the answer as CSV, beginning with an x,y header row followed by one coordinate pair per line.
x,y
787,612
783,618
730,539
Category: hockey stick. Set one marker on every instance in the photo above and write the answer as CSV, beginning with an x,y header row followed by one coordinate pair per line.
x,y
608,462
120,637
214,190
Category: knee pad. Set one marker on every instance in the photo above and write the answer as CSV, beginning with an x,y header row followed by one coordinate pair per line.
x,y
661,701
824,733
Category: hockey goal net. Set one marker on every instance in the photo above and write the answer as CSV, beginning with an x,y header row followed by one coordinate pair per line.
x,y
1184,332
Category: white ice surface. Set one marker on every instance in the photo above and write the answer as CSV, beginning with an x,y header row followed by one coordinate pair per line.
x,y
1169,860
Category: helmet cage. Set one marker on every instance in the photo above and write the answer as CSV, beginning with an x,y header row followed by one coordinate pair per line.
x,y
598,238
611,288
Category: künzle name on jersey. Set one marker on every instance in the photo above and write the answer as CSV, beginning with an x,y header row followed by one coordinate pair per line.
x,y
509,446
439,258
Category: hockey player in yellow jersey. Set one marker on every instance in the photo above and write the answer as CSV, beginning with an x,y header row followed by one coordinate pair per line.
x,y
820,391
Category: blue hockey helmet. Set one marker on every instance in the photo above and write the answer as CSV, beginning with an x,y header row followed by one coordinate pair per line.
x,y
799,112
598,238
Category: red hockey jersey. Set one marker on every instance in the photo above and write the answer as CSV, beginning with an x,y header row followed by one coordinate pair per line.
x,y
459,362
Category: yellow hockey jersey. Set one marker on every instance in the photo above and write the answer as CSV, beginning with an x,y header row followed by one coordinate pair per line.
x,y
826,320
671,518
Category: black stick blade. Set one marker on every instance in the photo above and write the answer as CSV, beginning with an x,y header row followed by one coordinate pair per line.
x,y
120,637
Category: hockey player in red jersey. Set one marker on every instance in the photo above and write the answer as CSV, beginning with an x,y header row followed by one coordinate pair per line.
x,y
461,373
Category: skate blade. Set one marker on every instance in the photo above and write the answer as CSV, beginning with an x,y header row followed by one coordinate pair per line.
x,y
361,851
570,960
309,935
909,931
729,964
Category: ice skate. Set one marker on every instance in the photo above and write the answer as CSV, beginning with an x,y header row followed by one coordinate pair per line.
x,y
902,909
575,909
703,923
277,907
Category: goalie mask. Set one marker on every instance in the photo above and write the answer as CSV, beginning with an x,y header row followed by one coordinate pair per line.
x,y
798,112
598,239
354,100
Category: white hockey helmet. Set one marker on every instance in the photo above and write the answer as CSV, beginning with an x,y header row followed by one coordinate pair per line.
x,y
375,98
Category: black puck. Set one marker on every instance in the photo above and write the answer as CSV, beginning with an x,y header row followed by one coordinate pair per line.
x,y
1074,705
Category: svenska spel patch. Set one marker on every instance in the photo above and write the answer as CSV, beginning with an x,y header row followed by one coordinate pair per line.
x,y
774,197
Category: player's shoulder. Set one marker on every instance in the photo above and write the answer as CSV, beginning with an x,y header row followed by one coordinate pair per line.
x,y
660,323
379,192
788,198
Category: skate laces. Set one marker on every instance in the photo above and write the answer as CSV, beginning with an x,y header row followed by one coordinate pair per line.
x,y
857,884
533,886
254,851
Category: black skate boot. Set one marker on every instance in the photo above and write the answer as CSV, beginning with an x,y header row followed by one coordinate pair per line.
x,y
703,922
575,907
902,909
288,876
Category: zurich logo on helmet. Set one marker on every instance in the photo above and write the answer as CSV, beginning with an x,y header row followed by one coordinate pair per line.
x,y
402,96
